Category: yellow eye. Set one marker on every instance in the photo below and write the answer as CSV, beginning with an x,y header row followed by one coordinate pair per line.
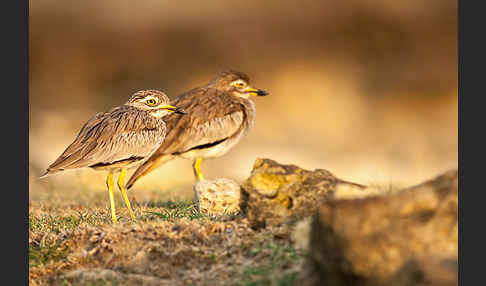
x,y
151,102
238,84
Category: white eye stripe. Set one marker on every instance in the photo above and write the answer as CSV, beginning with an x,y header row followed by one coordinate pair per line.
x,y
151,97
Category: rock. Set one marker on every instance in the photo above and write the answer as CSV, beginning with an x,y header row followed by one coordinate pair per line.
x,y
276,193
405,238
217,197
347,191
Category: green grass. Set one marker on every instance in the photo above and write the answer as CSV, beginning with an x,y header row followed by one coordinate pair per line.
x,y
172,215
174,210
41,255
57,224
170,204
288,279
281,257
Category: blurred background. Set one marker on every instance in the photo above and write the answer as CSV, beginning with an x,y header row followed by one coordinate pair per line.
x,y
366,89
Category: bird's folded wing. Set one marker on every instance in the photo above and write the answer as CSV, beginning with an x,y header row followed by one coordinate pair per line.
x,y
211,117
72,152
109,137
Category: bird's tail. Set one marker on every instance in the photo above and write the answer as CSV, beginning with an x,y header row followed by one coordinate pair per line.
x,y
48,172
147,167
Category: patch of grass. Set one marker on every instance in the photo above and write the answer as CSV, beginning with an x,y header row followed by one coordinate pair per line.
x,y
57,224
170,204
41,255
288,279
175,210
178,213
281,257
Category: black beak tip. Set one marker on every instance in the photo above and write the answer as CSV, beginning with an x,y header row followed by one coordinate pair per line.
x,y
179,110
262,93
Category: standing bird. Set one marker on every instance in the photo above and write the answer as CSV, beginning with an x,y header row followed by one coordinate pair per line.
x,y
119,139
219,115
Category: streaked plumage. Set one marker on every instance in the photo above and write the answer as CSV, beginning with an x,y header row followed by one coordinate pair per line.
x,y
119,139
124,134
219,115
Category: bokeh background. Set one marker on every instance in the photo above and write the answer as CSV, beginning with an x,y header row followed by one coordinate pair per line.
x,y
364,88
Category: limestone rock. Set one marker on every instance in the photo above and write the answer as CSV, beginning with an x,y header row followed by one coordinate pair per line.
x,y
405,238
217,197
276,193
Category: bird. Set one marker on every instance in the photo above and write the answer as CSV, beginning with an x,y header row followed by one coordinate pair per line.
x,y
219,115
119,139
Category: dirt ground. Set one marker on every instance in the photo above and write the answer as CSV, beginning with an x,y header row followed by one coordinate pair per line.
x,y
169,244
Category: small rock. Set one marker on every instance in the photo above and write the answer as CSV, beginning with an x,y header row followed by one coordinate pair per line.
x,y
217,197
276,193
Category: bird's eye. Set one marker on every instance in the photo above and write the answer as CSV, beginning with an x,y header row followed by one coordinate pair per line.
x,y
151,102
239,84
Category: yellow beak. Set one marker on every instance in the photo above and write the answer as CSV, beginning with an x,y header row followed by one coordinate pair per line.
x,y
256,92
175,109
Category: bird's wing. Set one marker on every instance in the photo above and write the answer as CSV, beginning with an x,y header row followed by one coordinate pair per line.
x,y
211,116
112,136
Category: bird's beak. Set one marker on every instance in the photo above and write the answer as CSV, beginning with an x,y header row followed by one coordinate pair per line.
x,y
255,91
175,109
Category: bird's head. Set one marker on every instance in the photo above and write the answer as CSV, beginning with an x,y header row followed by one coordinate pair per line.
x,y
155,102
237,83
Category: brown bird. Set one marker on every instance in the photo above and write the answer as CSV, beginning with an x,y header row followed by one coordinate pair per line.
x,y
219,115
119,139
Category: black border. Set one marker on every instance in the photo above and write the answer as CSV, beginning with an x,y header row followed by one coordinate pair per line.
x,y
14,201
471,78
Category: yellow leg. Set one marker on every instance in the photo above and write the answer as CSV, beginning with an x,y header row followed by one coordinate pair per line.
x,y
121,185
197,169
109,184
